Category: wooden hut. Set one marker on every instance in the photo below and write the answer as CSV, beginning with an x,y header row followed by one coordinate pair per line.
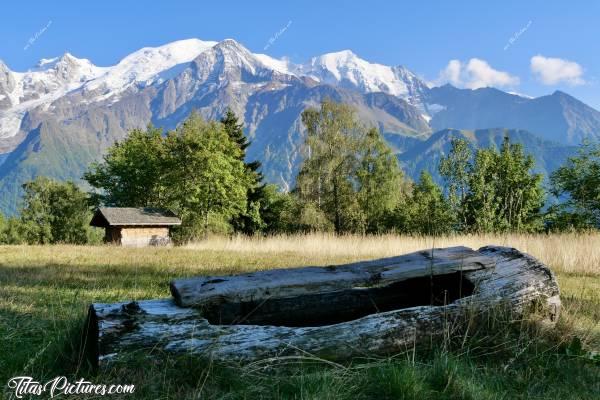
x,y
135,227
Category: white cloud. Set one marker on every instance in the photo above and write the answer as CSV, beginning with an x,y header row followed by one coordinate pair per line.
x,y
476,73
551,71
451,73
481,74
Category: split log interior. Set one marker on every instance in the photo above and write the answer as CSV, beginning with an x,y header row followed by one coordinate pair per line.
x,y
328,308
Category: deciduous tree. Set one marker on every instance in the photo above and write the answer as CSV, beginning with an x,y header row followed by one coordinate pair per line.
x,y
54,212
204,176
579,181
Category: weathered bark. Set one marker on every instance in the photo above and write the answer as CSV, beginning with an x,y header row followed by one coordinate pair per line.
x,y
516,281
287,283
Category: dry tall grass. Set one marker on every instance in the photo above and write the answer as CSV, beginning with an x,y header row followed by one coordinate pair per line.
x,y
565,253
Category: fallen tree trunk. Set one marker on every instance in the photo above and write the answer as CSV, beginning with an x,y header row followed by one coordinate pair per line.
x,y
505,277
325,295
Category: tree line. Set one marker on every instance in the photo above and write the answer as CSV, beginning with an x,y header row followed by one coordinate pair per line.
x,y
350,181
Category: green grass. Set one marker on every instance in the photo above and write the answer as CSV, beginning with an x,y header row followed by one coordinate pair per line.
x,y
45,291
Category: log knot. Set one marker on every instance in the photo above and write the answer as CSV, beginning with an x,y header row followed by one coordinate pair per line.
x,y
132,308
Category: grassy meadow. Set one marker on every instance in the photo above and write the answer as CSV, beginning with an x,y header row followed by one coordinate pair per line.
x,y
45,292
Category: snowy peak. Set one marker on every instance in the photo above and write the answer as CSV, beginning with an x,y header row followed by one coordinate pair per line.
x,y
335,63
345,68
67,68
72,69
150,64
233,54
236,54
283,66
229,61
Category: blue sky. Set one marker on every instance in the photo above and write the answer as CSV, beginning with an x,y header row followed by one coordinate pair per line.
x,y
532,47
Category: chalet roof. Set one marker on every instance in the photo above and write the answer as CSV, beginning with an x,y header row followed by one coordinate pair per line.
x,y
129,216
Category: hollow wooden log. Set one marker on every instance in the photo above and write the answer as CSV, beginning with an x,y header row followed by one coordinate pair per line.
x,y
516,281
293,282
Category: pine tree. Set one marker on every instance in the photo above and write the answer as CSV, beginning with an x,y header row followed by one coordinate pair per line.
x,y
257,209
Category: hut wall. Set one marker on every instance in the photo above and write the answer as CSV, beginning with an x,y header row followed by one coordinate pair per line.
x,y
145,236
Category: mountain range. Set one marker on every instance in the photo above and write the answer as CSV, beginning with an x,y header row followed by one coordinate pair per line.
x,y
65,112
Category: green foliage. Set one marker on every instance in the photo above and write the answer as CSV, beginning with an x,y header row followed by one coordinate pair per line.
x,y
52,212
455,170
2,228
496,191
131,174
504,194
349,178
325,179
235,131
379,181
204,175
579,181
11,232
253,219
276,212
424,210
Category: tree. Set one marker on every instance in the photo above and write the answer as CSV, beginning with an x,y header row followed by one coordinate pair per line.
x,y
504,194
519,190
424,210
252,220
54,212
481,204
579,181
379,180
204,175
325,181
455,169
12,232
131,174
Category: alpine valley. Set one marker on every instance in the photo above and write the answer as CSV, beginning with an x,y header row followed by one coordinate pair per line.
x,y
65,112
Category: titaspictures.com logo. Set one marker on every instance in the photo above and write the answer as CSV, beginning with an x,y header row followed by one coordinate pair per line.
x,y
22,386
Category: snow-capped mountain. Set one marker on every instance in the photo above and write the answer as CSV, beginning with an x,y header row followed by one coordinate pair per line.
x,y
346,69
53,78
48,81
65,112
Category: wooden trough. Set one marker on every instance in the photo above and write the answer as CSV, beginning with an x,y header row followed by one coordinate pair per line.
x,y
336,312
